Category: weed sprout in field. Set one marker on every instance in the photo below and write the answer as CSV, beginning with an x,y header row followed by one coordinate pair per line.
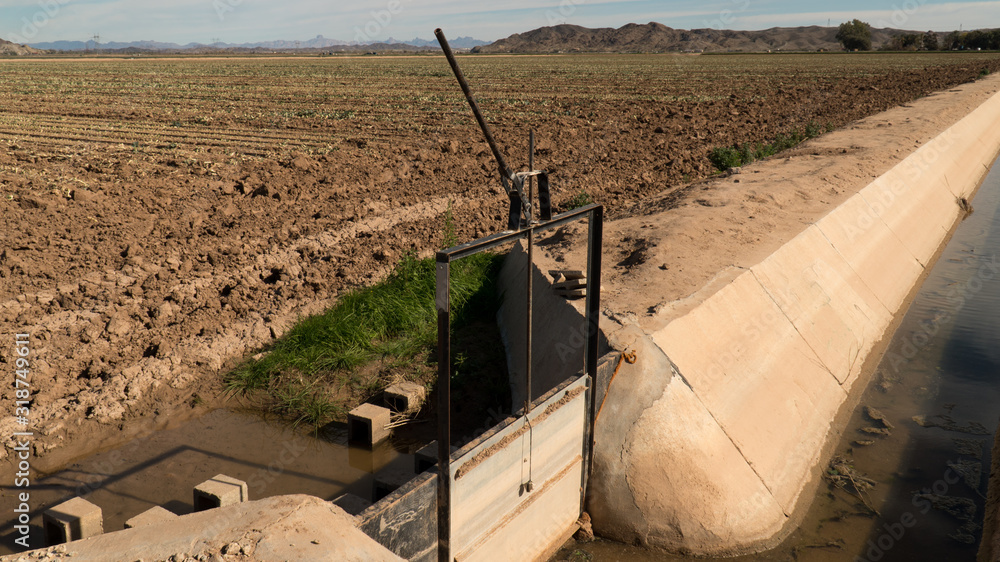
x,y
581,199
726,157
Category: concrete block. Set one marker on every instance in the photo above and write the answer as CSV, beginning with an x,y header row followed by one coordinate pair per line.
x,y
150,517
219,491
366,424
390,480
72,520
351,504
405,396
427,457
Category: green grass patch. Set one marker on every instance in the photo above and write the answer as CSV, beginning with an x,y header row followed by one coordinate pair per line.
x,y
725,157
580,199
328,363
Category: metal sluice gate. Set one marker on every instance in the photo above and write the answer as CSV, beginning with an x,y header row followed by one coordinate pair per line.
x,y
521,224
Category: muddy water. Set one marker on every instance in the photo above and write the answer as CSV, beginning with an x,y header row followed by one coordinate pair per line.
x,y
163,468
939,387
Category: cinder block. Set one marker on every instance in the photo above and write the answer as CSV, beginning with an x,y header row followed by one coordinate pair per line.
x,y
390,480
150,517
405,396
352,504
72,520
366,424
427,457
219,491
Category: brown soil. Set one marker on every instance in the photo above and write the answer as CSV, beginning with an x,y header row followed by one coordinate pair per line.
x,y
165,219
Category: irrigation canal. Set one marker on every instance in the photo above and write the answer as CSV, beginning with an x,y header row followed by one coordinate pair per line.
x,y
938,386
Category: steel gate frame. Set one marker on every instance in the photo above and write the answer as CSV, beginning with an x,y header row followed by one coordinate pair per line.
x,y
595,214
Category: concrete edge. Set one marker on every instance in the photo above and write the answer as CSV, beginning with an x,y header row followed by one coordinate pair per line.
x,y
968,148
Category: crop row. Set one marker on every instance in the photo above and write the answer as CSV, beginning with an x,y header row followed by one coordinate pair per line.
x,y
316,102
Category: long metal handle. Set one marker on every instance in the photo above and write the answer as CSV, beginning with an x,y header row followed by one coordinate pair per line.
x,y
506,171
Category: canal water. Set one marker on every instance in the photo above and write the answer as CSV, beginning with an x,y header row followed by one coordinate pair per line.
x,y
163,468
938,387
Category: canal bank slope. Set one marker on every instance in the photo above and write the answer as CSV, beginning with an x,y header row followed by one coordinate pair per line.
x,y
756,305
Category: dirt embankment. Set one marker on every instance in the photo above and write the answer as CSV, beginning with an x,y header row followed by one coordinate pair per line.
x,y
13,49
140,276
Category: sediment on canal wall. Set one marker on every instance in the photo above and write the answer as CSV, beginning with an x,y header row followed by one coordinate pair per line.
x,y
713,441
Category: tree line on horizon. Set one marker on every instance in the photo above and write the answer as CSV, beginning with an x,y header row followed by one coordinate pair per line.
x,y
856,35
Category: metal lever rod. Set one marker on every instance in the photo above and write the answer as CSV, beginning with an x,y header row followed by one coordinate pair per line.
x,y
513,184
504,169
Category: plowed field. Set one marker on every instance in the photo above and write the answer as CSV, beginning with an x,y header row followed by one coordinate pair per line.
x,y
163,218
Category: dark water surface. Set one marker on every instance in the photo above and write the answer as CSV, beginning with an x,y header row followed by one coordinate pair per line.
x,y
938,386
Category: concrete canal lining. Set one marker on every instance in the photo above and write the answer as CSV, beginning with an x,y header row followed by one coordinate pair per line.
x,y
713,441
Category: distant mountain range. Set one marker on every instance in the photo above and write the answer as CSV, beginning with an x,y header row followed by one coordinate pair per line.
x,y
648,38
656,37
317,43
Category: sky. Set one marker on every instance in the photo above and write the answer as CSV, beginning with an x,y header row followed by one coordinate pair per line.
x,y
239,21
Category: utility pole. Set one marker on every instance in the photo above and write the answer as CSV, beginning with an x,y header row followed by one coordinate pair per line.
x,y
97,41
